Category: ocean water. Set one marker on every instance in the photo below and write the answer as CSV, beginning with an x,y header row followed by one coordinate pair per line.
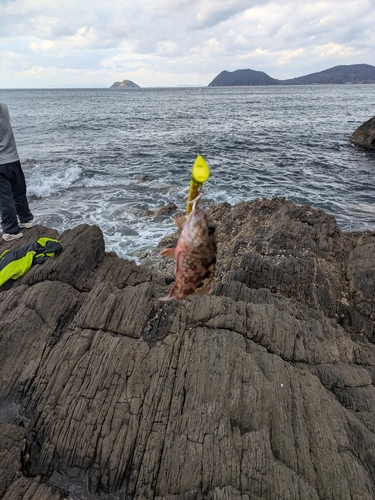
x,y
107,157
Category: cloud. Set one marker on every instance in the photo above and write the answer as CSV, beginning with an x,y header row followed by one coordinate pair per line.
x,y
213,12
179,37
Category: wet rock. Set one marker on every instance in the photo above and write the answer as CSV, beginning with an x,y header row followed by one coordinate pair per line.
x,y
33,489
162,210
364,135
296,251
147,213
262,389
361,276
11,441
168,209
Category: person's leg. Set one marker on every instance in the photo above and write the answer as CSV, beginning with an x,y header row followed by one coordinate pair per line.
x,y
8,211
19,194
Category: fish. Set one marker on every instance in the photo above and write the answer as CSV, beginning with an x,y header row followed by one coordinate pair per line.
x,y
195,253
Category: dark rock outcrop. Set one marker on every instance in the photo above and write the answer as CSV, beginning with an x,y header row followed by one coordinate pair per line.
x,y
352,73
263,389
364,135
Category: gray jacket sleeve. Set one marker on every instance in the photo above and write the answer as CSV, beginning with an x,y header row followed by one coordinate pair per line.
x,y
8,148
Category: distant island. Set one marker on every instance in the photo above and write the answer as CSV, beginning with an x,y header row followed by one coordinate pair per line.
x,y
125,85
354,73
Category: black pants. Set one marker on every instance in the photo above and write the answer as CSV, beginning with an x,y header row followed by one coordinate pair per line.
x,y
13,199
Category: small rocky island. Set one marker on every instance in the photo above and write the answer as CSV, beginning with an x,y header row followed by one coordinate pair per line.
x,y
125,85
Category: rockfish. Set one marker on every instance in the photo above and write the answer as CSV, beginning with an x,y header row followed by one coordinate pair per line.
x,y
195,253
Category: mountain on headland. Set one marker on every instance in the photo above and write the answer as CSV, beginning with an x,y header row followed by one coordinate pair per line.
x,y
353,73
125,85
242,77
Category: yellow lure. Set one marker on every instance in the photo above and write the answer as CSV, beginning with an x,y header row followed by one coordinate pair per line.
x,y
199,175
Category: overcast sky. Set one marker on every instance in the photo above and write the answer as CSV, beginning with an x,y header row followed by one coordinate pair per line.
x,y
157,43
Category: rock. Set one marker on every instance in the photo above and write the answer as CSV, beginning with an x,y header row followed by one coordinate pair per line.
x,y
296,251
125,85
11,441
262,389
364,135
34,489
168,209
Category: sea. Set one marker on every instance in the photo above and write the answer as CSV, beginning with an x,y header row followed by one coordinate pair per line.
x,y
112,158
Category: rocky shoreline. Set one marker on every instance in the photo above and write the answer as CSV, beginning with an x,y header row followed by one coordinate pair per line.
x,y
263,389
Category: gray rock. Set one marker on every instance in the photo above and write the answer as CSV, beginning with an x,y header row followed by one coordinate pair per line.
x,y
261,390
33,488
11,441
364,135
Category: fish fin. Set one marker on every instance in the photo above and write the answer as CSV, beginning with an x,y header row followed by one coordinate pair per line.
x,y
180,221
169,252
170,295
164,299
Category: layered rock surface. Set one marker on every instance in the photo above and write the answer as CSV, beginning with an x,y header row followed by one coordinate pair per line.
x,y
364,135
261,390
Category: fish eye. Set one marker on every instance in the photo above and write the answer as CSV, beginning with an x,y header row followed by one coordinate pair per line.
x,y
211,229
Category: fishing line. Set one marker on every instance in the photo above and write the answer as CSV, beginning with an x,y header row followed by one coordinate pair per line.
x,y
201,171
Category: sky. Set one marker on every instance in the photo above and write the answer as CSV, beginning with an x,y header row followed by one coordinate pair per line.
x,y
167,43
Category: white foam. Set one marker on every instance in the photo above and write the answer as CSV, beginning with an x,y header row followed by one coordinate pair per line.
x,y
42,184
366,208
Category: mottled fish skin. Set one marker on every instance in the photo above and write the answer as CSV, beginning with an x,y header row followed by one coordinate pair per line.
x,y
195,253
